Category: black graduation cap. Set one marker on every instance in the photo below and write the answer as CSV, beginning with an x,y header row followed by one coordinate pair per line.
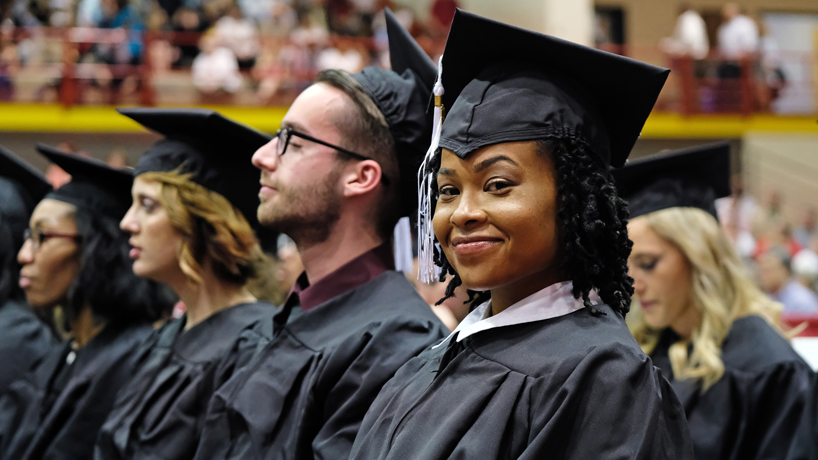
x,y
505,84
216,150
401,95
21,188
30,183
693,177
94,185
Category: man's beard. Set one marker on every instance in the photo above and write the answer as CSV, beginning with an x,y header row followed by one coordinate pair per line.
x,y
306,214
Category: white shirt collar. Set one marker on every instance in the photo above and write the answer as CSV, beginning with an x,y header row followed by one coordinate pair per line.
x,y
550,302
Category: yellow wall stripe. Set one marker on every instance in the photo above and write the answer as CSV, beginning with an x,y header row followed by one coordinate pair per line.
x,y
55,118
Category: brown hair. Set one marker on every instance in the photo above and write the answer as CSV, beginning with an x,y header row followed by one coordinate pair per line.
x,y
366,132
212,229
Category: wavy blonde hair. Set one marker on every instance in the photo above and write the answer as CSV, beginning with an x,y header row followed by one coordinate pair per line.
x,y
722,291
211,228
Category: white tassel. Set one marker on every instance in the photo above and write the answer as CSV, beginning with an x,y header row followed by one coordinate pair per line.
x,y
428,272
402,239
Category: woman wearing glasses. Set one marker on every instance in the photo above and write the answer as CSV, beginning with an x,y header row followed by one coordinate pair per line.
x,y
24,338
76,257
192,227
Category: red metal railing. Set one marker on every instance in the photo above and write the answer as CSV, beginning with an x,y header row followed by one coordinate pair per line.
x,y
809,323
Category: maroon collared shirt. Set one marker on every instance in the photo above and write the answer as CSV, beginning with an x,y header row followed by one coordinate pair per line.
x,y
354,273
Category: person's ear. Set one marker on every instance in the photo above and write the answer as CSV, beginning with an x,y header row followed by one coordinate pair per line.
x,y
361,177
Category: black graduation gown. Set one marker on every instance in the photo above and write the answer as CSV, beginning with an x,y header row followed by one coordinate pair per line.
x,y
572,387
24,341
756,408
159,414
306,392
65,403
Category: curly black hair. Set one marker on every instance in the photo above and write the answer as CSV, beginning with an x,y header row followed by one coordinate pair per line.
x,y
106,281
593,222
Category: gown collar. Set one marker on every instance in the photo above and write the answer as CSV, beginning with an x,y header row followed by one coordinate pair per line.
x,y
550,302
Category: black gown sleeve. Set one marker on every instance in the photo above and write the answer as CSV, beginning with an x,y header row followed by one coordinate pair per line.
x,y
780,404
24,342
614,405
347,387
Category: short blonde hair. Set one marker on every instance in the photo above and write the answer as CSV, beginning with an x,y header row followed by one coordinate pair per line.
x,y
721,290
211,227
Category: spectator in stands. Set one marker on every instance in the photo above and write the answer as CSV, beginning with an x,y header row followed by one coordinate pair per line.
x,y
808,229
689,37
280,21
736,214
9,64
239,35
776,278
188,23
89,13
271,70
215,71
777,233
344,55
341,17
119,14
738,39
770,77
805,268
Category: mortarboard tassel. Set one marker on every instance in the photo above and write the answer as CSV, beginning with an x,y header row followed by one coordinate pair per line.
x,y
427,271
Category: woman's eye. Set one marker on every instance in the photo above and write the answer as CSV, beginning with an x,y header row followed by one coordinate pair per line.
x,y
148,204
648,265
497,185
295,146
448,191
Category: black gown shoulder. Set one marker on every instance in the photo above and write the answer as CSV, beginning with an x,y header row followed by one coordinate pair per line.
x,y
24,342
66,399
573,387
159,413
757,407
306,392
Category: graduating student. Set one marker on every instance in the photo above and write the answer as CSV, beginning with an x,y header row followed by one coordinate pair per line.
x,y
335,179
192,227
529,221
703,322
75,256
24,337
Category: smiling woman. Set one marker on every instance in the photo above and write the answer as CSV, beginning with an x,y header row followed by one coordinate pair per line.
x,y
527,219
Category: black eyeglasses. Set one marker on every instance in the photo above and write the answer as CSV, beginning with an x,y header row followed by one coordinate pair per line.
x,y
38,237
285,134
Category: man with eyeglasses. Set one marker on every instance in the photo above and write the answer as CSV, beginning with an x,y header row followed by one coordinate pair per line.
x,y
335,179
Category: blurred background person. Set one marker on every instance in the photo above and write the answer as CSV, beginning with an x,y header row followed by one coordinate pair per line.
x,y
738,39
737,214
807,229
239,35
689,36
215,71
776,277
76,257
715,336
805,268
